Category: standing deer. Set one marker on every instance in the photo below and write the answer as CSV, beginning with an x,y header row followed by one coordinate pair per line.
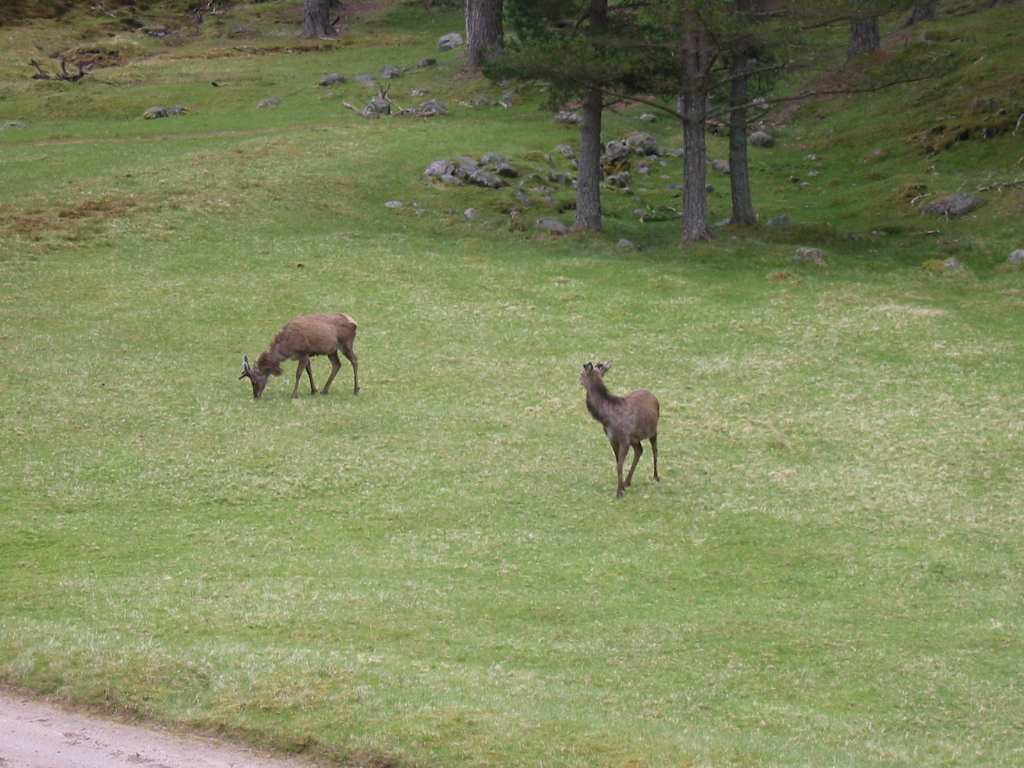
x,y
301,339
626,420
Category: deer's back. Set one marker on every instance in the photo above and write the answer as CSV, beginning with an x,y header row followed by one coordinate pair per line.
x,y
319,334
641,411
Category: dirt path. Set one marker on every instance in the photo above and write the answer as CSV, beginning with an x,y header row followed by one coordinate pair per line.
x,y
34,735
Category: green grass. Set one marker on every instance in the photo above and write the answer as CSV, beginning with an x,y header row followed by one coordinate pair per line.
x,y
437,572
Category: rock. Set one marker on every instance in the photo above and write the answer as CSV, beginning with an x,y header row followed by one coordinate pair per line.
x,y
762,139
551,225
395,204
951,206
566,151
424,63
432,107
12,124
366,79
722,166
622,179
1017,257
452,180
483,178
506,171
481,101
616,150
334,79
624,243
524,199
642,143
558,177
389,72
273,101
492,158
811,255
471,213
647,117
177,109
780,221
953,264
567,117
984,104
154,113
449,42
439,168
377,107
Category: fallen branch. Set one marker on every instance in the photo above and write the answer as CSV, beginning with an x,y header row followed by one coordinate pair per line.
x,y
1001,185
64,75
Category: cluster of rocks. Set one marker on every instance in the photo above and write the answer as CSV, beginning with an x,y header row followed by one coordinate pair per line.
x,y
492,171
155,113
12,124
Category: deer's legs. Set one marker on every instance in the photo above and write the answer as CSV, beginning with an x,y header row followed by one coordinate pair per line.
x,y
638,451
335,367
654,450
623,451
304,367
347,351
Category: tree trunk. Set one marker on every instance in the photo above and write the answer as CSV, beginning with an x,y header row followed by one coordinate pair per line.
x,y
588,184
484,32
921,12
739,96
318,20
864,37
739,167
693,108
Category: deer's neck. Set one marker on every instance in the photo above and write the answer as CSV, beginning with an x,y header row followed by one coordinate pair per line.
x,y
600,402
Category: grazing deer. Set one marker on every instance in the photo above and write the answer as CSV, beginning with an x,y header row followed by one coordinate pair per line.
x,y
301,339
626,420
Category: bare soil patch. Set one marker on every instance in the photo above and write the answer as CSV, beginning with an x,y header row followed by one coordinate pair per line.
x,y
35,735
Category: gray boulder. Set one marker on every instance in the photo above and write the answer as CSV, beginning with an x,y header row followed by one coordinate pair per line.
x,y
273,101
486,179
334,79
952,206
450,42
642,143
811,255
377,107
389,72
439,168
762,139
721,166
616,150
155,113
1017,257
551,225
567,117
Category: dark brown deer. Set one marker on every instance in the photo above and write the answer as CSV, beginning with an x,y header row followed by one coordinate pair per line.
x,y
626,420
301,339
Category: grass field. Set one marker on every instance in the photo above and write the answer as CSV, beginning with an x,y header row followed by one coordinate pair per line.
x,y
437,572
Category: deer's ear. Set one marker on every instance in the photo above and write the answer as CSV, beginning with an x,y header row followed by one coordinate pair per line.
x,y
245,362
606,366
588,367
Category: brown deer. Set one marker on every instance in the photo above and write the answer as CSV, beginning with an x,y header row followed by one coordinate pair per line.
x,y
301,339
626,420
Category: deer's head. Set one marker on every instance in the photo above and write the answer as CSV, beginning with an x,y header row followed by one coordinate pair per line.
x,y
594,371
257,377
